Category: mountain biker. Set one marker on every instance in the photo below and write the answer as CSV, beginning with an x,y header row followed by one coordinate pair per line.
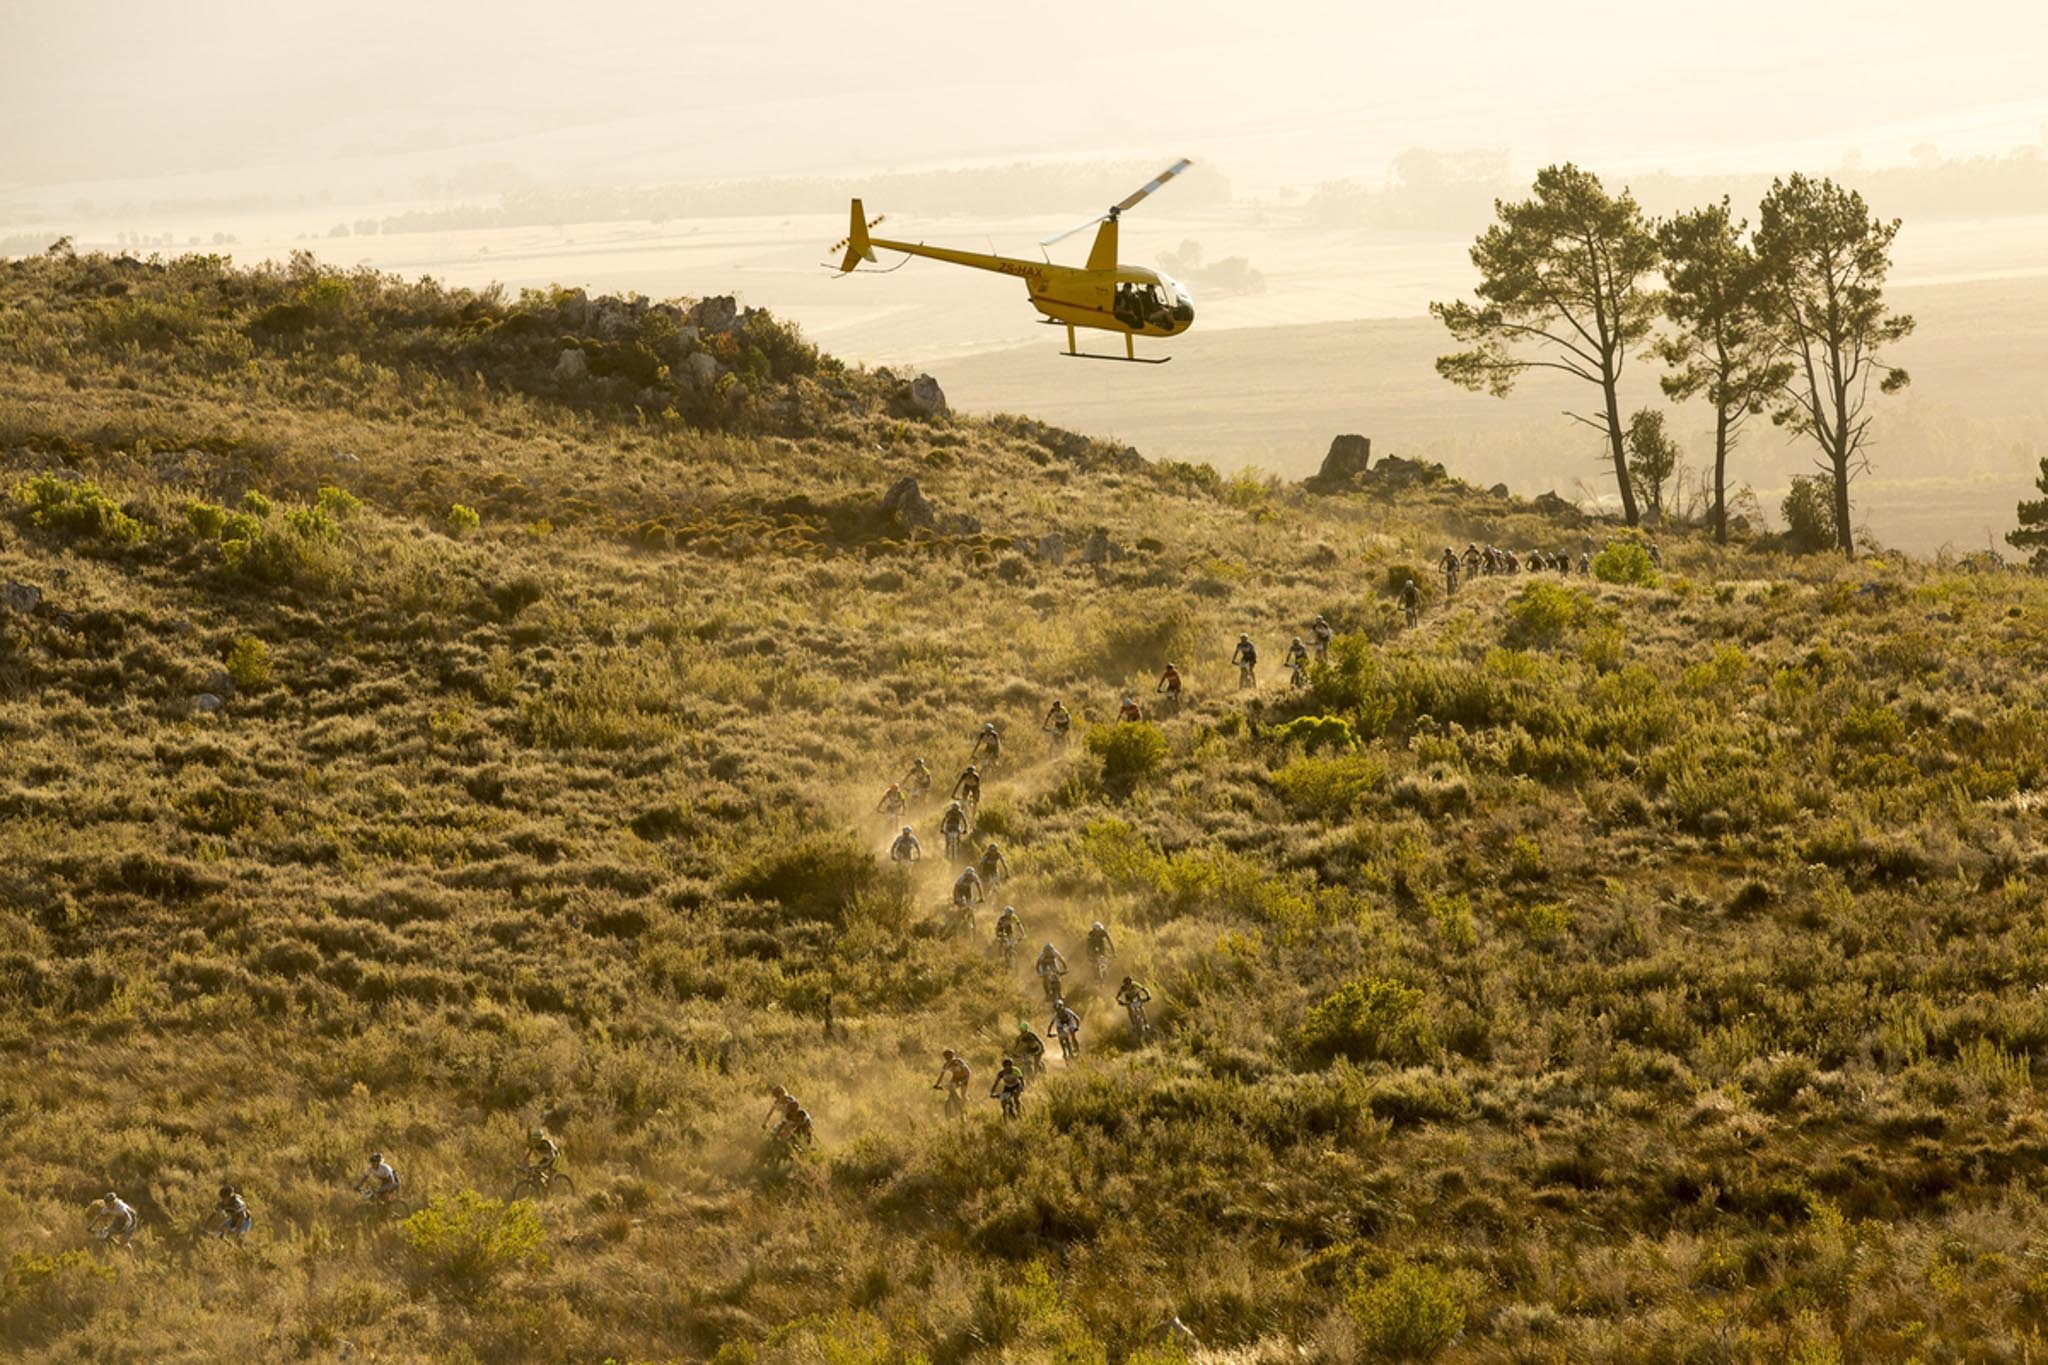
x,y
1099,946
1411,600
1585,562
953,824
953,1077
892,801
1246,657
1133,997
1297,663
541,1152
1050,968
1009,929
1514,564
1129,712
1169,684
1471,560
379,1182
1448,566
798,1132
1028,1045
235,1218
987,742
967,889
994,866
1058,722
918,781
1066,1026
782,1110
1321,632
113,1219
967,786
906,849
1009,1085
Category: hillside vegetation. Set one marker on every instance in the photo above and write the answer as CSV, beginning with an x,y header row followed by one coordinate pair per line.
x,y
1603,970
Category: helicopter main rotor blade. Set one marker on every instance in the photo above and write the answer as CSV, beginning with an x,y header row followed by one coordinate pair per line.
x,y
1058,237
1160,179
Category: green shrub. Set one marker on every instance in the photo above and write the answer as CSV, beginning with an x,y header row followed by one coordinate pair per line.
x,y
464,1243
255,504
1329,788
1128,752
815,877
1413,1312
463,521
207,520
44,1295
1369,1019
1809,510
249,663
1315,733
77,509
1541,613
1625,561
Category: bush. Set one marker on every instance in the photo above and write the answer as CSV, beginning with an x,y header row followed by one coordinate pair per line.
x,y
1370,1019
44,1295
337,504
1329,788
77,509
255,504
1625,561
1413,1312
1541,613
1314,733
1809,509
249,663
463,1243
206,519
463,521
1128,752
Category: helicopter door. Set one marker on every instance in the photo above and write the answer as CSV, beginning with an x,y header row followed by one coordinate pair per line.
x,y
1137,305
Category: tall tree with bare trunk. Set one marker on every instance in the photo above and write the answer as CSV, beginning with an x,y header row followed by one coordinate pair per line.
x,y
1825,258
1562,286
1722,345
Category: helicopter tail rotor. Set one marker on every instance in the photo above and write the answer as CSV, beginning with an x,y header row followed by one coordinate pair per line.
x,y
1130,200
855,243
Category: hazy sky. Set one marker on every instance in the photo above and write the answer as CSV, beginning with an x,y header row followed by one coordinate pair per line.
x,y
95,90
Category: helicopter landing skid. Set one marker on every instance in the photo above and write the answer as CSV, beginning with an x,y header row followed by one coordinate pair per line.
x,y
1129,357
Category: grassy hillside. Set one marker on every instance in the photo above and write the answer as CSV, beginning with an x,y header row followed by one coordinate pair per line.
x,y
1600,971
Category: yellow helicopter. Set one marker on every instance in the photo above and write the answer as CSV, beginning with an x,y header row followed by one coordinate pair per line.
x,y
1102,294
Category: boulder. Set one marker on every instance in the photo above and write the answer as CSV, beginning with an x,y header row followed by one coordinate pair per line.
x,y
1348,458
206,703
1394,473
1499,490
1100,549
906,506
613,319
573,308
1550,504
702,367
219,684
716,314
1052,548
21,597
926,397
571,366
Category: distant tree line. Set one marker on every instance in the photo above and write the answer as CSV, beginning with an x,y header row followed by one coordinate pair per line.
x,y
1787,319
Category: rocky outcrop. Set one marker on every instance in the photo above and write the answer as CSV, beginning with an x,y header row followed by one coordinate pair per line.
x,y
924,397
1393,474
572,366
906,507
1100,549
1347,461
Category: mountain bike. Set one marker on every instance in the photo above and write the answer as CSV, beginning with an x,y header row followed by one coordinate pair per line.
x,y
1070,1043
956,1102
540,1182
1013,1103
1141,1027
219,1224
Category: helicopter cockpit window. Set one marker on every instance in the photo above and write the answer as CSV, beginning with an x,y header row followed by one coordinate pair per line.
x,y
1138,305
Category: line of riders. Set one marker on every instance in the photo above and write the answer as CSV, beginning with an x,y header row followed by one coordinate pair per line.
x,y
113,1221
1489,560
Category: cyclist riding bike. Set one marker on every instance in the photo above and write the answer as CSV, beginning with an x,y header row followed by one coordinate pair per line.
x,y
1009,1087
1099,950
1246,657
1411,601
1050,968
1471,561
892,802
379,1183
113,1219
967,891
1009,932
230,1216
906,849
1297,663
1066,1026
541,1154
1322,632
782,1111
988,743
1448,565
953,1078
953,824
1057,722
1128,713
918,781
1169,687
798,1132
1028,1046
967,786
1133,997
995,867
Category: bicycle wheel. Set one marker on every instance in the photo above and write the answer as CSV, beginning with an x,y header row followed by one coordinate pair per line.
x,y
560,1187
